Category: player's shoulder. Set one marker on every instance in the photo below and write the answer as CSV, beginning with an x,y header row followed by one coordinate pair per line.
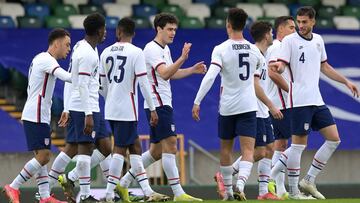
x,y
153,49
44,57
317,37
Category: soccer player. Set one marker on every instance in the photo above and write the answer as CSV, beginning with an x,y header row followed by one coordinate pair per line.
x,y
238,61
160,69
305,54
284,25
81,100
43,71
124,67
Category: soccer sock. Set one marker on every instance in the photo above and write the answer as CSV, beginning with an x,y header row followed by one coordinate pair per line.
x,y
294,167
226,172
320,159
58,168
172,173
140,173
244,173
115,169
147,160
30,168
105,165
235,166
279,168
280,165
42,180
83,169
264,169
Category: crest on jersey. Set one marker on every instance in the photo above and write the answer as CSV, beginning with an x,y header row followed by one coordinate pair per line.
x,y
306,126
173,127
264,138
318,47
93,134
47,141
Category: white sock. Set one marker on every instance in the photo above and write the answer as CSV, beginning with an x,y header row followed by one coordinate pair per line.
x,y
294,167
235,166
105,165
280,165
42,180
115,169
58,168
280,173
227,172
147,160
140,174
83,169
30,168
264,169
244,173
320,159
172,173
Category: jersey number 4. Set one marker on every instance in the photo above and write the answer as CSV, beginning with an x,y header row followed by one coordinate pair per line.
x,y
302,58
244,64
120,63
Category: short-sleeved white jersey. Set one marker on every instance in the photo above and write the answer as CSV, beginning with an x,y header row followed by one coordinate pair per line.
x,y
276,94
156,55
84,63
40,88
239,62
263,110
304,57
122,63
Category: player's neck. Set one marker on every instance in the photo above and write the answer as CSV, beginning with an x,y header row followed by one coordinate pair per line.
x,y
92,41
236,35
262,46
125,40
159,41
51,51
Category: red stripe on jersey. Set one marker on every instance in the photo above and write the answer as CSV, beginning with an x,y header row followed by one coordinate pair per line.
x,y
291,74
221,90
324,61
281,98
45,84
157,95
133,104
140,74
282,60
154,76
216,64
157,66
272,61
84,73
38,110
53,71
291,98
134,83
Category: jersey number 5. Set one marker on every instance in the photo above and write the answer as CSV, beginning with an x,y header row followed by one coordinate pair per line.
x,y
117,78
244,64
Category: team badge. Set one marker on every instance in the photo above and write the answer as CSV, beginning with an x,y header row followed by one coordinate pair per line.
x,y
173,127
264,138
93,134
306,126
47,141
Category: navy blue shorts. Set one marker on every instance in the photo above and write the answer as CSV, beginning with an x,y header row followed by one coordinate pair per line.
x,y
75,131
165,127
232,126
125,132
307,118
38,135
264,133
102,131
282,128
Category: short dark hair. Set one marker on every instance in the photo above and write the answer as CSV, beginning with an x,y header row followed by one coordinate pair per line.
x,y
93,23
237,18
306,11
259,29
56,34
127,26
282,20
162,19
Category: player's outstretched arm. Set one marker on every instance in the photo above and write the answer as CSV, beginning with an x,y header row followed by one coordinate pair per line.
x,y
260,94
331,73
278,79
198,68
62,74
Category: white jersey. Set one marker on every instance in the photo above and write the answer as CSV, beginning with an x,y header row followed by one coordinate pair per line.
x,y
123,64
277,95
40,88
84,66
304,57
237,62
263,110
156,55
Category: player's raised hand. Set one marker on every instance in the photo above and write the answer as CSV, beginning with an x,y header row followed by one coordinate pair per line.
x,y
277,67
199,68
354,90
154,119
186,50
64,119
89,124
276,113
196,112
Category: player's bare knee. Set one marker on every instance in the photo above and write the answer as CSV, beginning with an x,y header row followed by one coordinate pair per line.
x,y
43,156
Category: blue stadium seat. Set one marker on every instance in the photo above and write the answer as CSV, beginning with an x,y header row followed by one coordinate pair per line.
x,y
144,11
354,2
101,2
4,75
7,22
111,22
37,10
207,2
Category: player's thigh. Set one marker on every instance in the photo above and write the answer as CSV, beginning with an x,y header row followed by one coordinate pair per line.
x,y
38,135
